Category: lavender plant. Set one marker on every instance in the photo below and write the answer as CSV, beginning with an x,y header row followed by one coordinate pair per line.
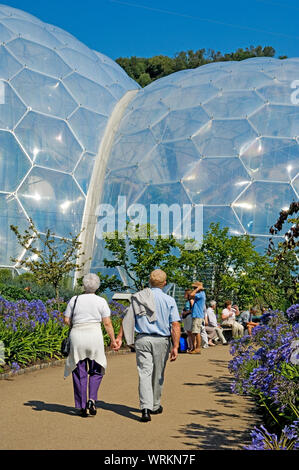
x,y
264,366
33,330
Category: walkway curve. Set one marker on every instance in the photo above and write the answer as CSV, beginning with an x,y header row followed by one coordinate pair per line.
x,y
200,412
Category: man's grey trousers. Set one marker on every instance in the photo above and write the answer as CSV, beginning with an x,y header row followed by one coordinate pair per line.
x,y
152,353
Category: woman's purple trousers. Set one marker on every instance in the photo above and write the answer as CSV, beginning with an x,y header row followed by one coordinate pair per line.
x,y
80,375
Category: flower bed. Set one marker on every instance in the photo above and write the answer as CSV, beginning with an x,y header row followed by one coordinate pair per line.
x,y
32,331
266,367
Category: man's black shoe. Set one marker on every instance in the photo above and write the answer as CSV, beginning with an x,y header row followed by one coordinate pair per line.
x,y
145,415
158,411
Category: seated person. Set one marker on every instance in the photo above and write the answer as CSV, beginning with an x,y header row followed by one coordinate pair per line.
x,y
253,320
229,319
213,329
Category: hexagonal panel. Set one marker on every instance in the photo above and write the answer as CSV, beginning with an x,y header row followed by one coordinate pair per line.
x,y
190,97
11,107
52,200
223,215
295,185
141,118
11,214
13,162
277,121
214,182
277,92
84,65
272,159
9,66
227,138
89,94
123,182
259,206
32,31
84,169
44,94
168,162
180,124
164,194
233,104
123,153
5,34
49,142
242,80
39,58
89,128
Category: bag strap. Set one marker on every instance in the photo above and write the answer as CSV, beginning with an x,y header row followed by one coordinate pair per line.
x,y
73,309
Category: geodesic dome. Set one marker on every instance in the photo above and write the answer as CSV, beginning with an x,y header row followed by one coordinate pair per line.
x,y
224,135
56,97
76,131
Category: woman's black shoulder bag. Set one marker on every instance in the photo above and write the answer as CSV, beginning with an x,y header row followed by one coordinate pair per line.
x,y
66,343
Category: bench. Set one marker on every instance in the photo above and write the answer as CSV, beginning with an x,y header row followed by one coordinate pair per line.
x,y
227,332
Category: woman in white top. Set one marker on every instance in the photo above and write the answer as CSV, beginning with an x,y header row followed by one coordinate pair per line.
x,y
87,352
229,319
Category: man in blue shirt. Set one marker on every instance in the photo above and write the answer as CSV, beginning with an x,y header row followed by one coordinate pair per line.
x,y
198,315
155,318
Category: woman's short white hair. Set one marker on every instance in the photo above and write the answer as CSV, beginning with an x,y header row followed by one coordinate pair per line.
x,y
91,282
213,303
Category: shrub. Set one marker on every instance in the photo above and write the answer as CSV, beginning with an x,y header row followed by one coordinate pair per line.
x,y
33,330
265,367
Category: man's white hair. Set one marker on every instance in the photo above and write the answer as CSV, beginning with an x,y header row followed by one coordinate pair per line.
x,y
213,303
91,282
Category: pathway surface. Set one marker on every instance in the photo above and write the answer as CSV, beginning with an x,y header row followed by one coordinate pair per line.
x,y
37,409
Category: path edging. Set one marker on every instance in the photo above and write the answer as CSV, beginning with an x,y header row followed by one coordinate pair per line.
x,y
44,365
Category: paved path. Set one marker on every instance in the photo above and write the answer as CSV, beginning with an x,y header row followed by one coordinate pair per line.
x,y
200,412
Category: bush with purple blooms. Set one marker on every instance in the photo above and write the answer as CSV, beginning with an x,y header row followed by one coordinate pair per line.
x,y
293,313
265,366
33,330
263,440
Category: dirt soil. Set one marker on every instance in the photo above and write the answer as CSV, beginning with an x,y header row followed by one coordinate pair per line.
x,y
200,412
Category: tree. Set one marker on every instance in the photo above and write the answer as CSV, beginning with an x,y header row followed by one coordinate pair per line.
x,y
48,258
137,253
145,70
284,258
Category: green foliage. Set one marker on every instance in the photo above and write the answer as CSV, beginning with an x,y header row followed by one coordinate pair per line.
x,y
6,275
18,290
229,266
11,292
49,260
25,346
145,70
137,256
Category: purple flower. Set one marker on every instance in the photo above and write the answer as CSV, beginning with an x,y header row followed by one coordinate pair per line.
x,y
15,366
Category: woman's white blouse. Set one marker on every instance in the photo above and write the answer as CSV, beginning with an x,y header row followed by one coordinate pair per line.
x,y
89,308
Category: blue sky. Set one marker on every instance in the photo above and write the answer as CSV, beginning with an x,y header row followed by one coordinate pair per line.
x,y
151,27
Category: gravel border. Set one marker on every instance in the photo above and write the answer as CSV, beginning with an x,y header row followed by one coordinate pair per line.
x,y
58,362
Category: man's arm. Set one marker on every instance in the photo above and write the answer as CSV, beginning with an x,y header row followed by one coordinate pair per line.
x,y
194,292
175,334
119,338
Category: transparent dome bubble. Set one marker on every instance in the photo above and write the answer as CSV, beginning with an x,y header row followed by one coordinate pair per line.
x,y
224,136
56,97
